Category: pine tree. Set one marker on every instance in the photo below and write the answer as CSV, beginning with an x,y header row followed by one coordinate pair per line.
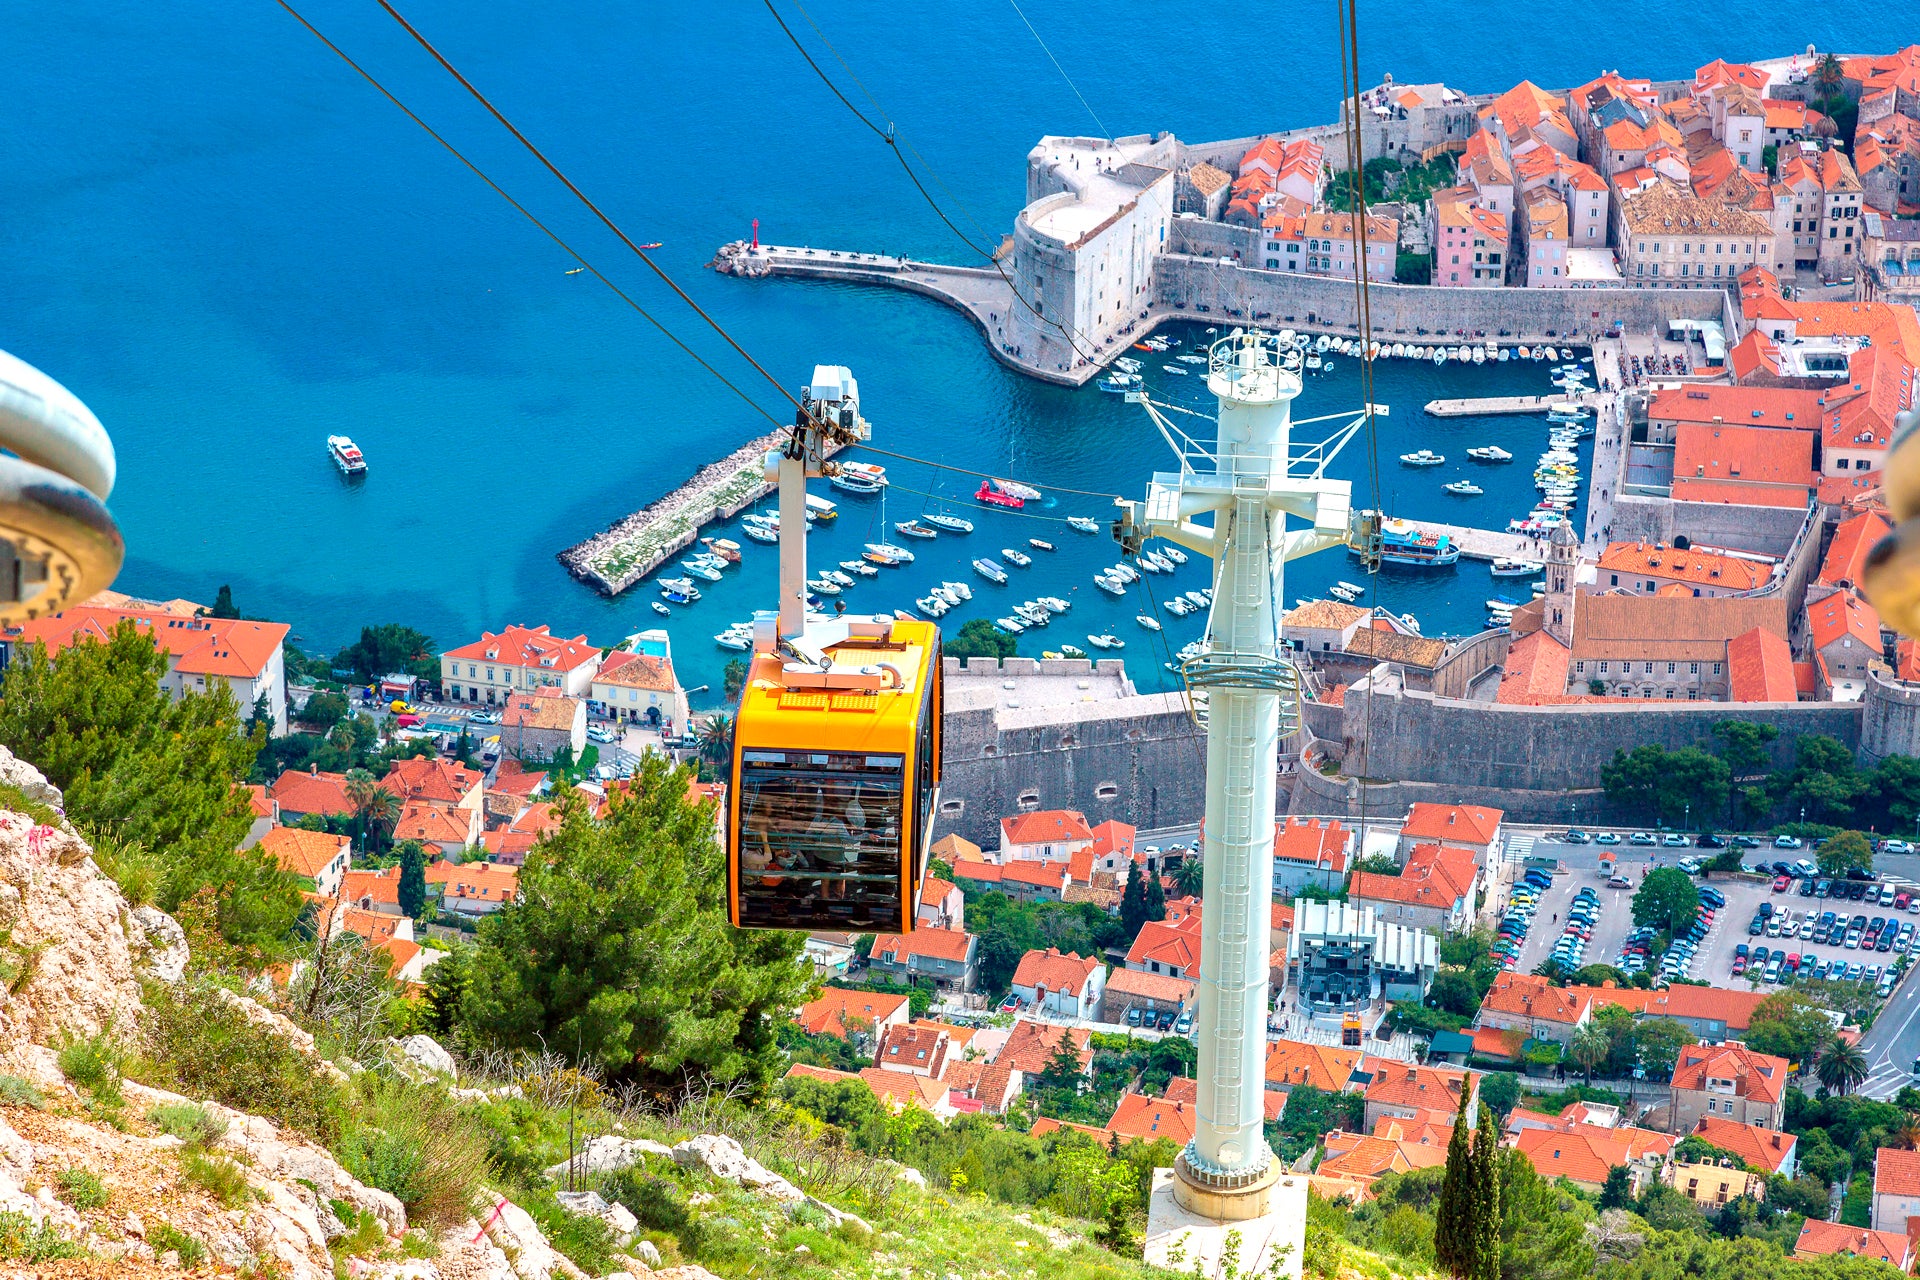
x,y
1156,897
1133,902
1485,1262
1453,1221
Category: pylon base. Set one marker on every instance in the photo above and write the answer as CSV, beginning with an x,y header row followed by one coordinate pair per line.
x,y
1188,1223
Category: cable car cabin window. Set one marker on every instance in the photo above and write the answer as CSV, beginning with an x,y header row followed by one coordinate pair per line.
x,y
820,840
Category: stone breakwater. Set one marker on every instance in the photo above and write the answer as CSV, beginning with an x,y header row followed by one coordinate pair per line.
x,y
633,547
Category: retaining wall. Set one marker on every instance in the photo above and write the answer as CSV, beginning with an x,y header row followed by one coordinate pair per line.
x,y
1764,530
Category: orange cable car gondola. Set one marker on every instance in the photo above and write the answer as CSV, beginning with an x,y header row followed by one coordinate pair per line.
x,y
836,747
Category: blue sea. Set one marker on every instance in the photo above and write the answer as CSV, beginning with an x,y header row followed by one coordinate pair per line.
x,y
230,246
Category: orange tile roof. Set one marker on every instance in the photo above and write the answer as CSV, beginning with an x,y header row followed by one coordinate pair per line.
x,y
1163,987
486,881
382,886
534,647
1704,568
1467,823
953,850
1888,325
1820,1239
637,671
811,1072
1326,1067
918,1044
1740,493
1741,454
1497,1043
1048,875
1720,71
1758,1076
232,648
1847,553
1861,411
1896,1172
1045,826
1055,970
1760,1147
933,944
1315,842
1170,946
1760,668
425,778
1432,877
1843,614
260,801
305,791
1532,996
902,1089
301,852
1579,1157
1398,1084
934,889
543,709
1032,1046
828,1014
1536,666
375,926
431,824
1138,1116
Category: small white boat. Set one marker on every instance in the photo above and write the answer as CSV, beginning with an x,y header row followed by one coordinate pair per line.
x,y
945,595
1490,453
990,570
1010,624
1314,361
1463,489
960,589
1039,544
1032,614
1072,651
1106,642
1177,606
821,586
1055,604
914,529
1127,364
1120,383
760,533
1147,620
1125,572
1148,566
834,575
661,608
898,555
1174,554
1505,355
1084,524
1199,599
1158,561
1479,355
725,548
1191,359
950,523
346,455
1423,458
1019,559
1341,593
1500,606
733,640
1505,568
706,571
1354,587
1109,584
1174,368
1439,355
932,606
860,567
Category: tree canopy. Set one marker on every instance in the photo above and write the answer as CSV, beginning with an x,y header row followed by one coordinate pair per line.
x,y
1667,784
1844,852
979,638
390,649
1667,899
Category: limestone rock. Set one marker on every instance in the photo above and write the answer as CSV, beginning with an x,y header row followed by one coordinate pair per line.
x,y
494,1094
723,1157
912,1176
686,1271
158,943
648,1252
62,921
610,1153
15,772
591,1204
839,1216
466,1254
427,1052
525,1245
289,1030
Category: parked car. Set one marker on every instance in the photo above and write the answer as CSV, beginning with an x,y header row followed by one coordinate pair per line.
x,y
1786,842
1781,883
1673,840
1133,1016
1574,835
1641,838
1744,842
1184,1023
1896,846
1708,840
483,717
1619,882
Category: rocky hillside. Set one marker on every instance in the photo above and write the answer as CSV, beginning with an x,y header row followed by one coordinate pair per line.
x,y
107,1171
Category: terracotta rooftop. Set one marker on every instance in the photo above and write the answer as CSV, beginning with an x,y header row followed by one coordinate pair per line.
x,y
1694,628
1758,1076
307,791
828,1014
1045,826
1896,1172
1169,945
1760,1147
1054,970
1820,1239
1465,823
1847,553
302,852
233,648
1843,615
934,944
1032,1046
535,647
1760,668
1325,1067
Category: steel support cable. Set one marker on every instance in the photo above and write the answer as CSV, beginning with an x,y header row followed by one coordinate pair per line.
x,y
1062,70
889,136
526,213
581,196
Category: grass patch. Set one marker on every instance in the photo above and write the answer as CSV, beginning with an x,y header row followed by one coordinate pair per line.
x,y
93,1063
81,1189
137,869
167,1238
218,1176
23,1240
15,1092
413,1142
191,1123
14,799
198,1045
586,1241
367,1237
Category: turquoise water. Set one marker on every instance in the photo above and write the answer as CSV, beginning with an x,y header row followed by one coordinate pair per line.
x,y
230,247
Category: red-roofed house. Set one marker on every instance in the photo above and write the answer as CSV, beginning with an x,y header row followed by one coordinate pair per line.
x,y
942,905
1309,851
1766,1149
1167,949
266,814
1896,1188
473,888
1438,889
639,686
1032,1046
839,1011
1032,881
1113,847
1730,1081
1844,633
976,1087
1139,1117
1819,1239
430,780
1325,1067
299,793
202,652
318,859
447,830
372,890
518,660
1063,985
1044,835
951,957
1472,827
1760,668
1151,993
1407,1091
919,1049
1584,1154
1847,553
900,1090
1531,1005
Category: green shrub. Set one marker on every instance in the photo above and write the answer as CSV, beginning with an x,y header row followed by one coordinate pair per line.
x,y
138,870
586,1241
191,1123
218,1176
413,1142
15,800
198,1045
93,1063
81,1189
367,1236
657,1203
23,1240
15,1092
167,1238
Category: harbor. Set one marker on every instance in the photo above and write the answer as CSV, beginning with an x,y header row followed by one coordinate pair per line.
x,y
1493,406
631,548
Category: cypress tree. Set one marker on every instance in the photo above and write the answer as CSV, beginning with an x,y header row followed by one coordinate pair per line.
x,y
1453,1219
1486,1200
1133,902
1156,897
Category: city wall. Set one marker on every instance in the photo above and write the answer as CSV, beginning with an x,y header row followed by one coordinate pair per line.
x,y
1470,660
1890,717
1765,530
1417,737
1186,284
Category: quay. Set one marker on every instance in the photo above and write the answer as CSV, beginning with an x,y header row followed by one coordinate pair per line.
x,y
1488,544
1488,406
634,546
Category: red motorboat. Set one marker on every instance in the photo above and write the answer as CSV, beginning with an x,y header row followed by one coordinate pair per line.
x,y
991,492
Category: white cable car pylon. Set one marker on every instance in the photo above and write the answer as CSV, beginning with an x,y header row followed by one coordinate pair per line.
x,y
1251,484
58,543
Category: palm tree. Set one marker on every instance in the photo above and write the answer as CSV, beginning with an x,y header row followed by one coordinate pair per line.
x,y
1590,1048
1189,876
1840,1065
716,742
1828,74
374,807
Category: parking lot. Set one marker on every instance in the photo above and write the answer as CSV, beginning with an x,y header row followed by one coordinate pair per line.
x,y
1550,918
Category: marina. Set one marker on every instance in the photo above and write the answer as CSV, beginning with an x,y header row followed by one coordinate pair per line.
x,y
1493,406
